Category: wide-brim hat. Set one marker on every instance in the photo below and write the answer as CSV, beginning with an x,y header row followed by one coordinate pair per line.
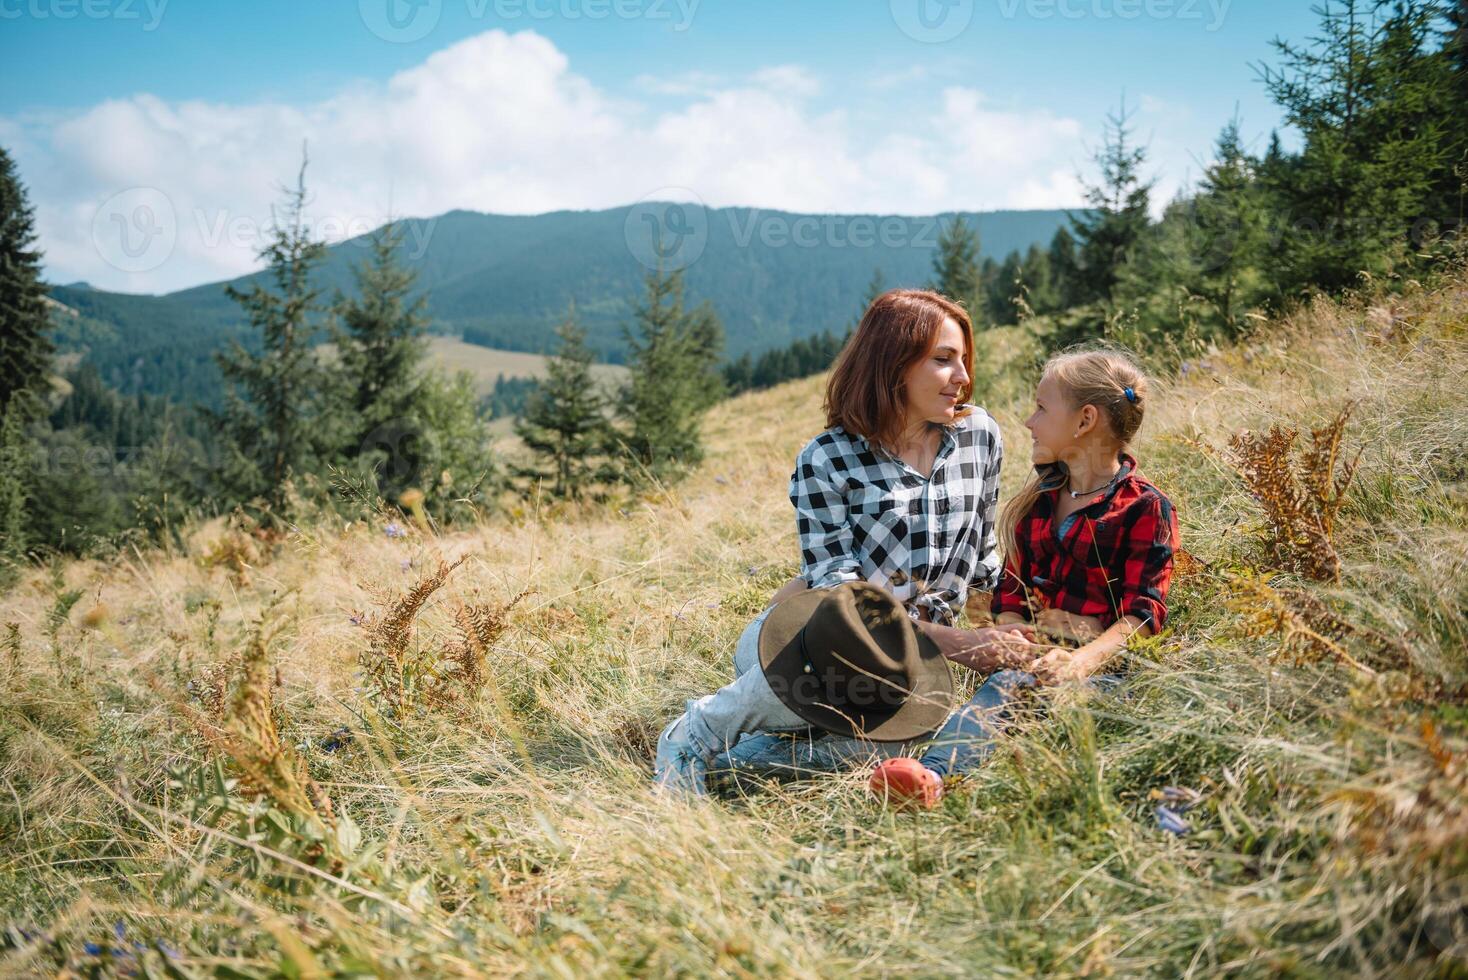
x,y
848,659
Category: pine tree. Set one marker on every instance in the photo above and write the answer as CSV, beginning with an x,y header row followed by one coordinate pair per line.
x,y
565,420
956,265
1064,271
25,348
672,355
383,344
272,418
1038,293
1225,237
1004,286
739,374
1108,234
1376,107
705,348
13,469
381,350
1453,194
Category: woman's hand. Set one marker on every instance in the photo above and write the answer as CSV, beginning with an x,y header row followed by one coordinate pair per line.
x,y
790,588
985,650
1008,646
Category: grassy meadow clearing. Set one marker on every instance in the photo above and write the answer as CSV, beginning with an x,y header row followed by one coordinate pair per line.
x,y
339,753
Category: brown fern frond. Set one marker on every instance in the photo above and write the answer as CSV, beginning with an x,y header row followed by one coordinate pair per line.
x,y
1307,630
1300,497
480,625
269,766
211,687
384,661
12,646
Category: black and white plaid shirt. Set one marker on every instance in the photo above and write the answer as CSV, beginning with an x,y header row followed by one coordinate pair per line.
x,y
862,513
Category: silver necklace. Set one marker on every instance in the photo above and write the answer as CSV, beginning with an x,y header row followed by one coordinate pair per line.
x,y
1077,495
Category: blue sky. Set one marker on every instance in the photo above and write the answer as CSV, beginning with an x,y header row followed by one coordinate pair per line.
x,y
199,109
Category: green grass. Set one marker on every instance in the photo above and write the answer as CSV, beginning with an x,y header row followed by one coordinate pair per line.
x,y
515,831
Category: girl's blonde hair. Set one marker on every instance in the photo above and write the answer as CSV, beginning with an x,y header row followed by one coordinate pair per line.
x,y
1085,377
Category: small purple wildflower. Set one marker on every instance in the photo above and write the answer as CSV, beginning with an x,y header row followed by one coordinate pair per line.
x,y
395,530
406,564
1171,821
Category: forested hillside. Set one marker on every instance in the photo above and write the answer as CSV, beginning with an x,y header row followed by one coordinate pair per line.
x,y
504,281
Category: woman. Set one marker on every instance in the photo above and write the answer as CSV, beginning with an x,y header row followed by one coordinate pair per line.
x,y
901,490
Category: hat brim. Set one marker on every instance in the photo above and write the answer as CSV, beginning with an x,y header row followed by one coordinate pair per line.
x,y
922,713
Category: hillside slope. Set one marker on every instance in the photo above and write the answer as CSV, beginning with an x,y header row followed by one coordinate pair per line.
x,y
506,823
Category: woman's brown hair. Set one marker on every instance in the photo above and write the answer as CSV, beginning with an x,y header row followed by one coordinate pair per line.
x,y
867,394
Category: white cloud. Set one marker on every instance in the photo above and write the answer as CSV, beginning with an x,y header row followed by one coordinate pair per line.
x,y
791,80
682,84
499,122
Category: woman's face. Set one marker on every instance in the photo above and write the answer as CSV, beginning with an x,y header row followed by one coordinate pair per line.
x,y
937,383
1053,424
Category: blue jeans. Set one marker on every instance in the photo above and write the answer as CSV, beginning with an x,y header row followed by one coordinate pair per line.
x,y
753,733
966,739
969,735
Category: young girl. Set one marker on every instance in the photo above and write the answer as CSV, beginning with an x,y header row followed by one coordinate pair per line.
x,y
1088,549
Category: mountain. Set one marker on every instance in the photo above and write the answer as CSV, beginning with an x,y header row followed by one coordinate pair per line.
x,y
504,281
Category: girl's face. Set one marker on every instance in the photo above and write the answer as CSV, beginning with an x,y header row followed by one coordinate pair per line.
x,y
1054,424
937,382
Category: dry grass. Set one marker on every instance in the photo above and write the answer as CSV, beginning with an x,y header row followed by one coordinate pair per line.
x,y
509,828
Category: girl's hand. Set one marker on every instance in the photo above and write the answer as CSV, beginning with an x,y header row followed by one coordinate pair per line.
x,y
1059,666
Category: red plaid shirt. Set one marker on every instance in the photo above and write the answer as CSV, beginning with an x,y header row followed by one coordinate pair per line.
x,y
1114,560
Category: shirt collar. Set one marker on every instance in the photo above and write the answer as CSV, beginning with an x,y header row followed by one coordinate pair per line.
x,y
947,440
1052,478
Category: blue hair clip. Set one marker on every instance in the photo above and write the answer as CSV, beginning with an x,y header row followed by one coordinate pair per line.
x,y
1131,395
